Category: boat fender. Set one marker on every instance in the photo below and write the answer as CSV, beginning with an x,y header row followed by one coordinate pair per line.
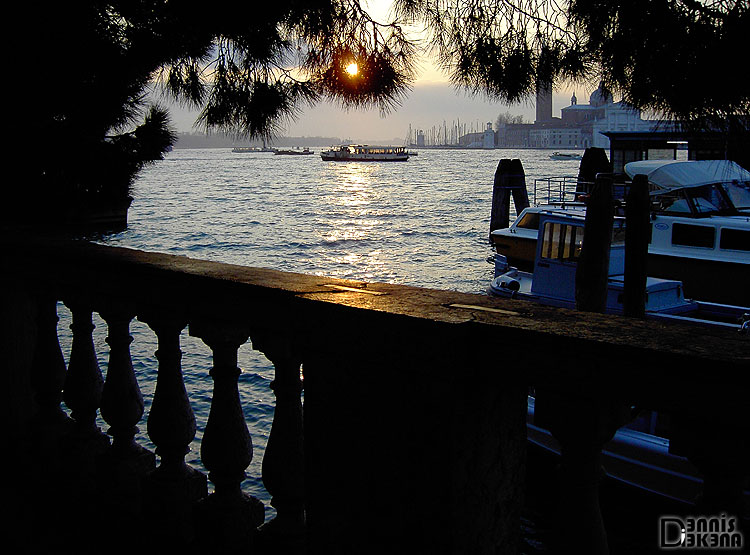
x,y
509,283
501,264
745,324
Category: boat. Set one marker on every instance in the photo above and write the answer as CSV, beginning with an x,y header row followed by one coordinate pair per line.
x,y
700,225
365,153
250,149
304,151
564,156
638,455
558,248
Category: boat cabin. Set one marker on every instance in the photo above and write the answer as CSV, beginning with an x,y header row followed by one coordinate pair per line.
x,y
558,250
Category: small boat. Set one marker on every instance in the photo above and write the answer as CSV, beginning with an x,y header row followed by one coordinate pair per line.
x,y
700,225
251,149
365,153
564,156
294,152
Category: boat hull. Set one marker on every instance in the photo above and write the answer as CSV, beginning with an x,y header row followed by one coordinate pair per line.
x,y
520,251
707,280
363,159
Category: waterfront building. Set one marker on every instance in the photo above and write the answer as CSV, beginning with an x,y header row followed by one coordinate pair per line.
x,y
480,139
555,136
580,125
602,115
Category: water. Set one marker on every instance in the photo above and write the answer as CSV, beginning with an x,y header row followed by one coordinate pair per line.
x,y
423,222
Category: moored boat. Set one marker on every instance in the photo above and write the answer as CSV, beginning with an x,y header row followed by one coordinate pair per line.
x,y
700,227
639,454
365,153
558,247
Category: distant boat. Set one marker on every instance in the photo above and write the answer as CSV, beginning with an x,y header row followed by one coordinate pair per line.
x,y
365,153
245,149
292,152
564,156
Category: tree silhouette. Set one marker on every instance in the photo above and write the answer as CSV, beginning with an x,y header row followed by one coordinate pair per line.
x,y
90,65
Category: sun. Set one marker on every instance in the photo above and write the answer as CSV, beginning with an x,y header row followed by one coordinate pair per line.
x,y
352,69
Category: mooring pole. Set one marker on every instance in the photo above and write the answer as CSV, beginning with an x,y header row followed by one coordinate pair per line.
x,y
593,265
518,177
510,179
637,236
593,162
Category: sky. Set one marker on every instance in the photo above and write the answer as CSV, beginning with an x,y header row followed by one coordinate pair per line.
x,y
429,104
432,101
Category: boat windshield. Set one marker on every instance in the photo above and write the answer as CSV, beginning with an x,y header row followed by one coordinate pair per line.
x,y
738,193
706,200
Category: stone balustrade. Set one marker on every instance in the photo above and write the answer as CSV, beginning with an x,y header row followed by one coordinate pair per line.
x,y
414,413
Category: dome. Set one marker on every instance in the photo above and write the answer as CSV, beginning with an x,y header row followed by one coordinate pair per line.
x,y
600,96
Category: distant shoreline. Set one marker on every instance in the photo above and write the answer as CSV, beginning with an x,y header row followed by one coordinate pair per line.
x,y
194,140
200,140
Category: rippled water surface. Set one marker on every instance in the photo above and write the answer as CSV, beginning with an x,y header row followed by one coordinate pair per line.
x,y
423,222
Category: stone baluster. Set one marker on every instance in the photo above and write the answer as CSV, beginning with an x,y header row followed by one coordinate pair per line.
x,y
171,422
122,401
172,489
229,518
48,370
283,462
126,462
582,425
84,382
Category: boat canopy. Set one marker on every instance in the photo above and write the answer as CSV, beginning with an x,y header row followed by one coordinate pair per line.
x,y
670,174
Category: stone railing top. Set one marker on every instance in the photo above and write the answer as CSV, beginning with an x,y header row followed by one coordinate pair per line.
x,y
513,336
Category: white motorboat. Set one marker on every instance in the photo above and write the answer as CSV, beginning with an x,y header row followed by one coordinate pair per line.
x,y
565,156
700,226
365,153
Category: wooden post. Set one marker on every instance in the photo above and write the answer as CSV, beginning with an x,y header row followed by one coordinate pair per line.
x,y
593,265
500,215
637,236
518,179
509,180
593,162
